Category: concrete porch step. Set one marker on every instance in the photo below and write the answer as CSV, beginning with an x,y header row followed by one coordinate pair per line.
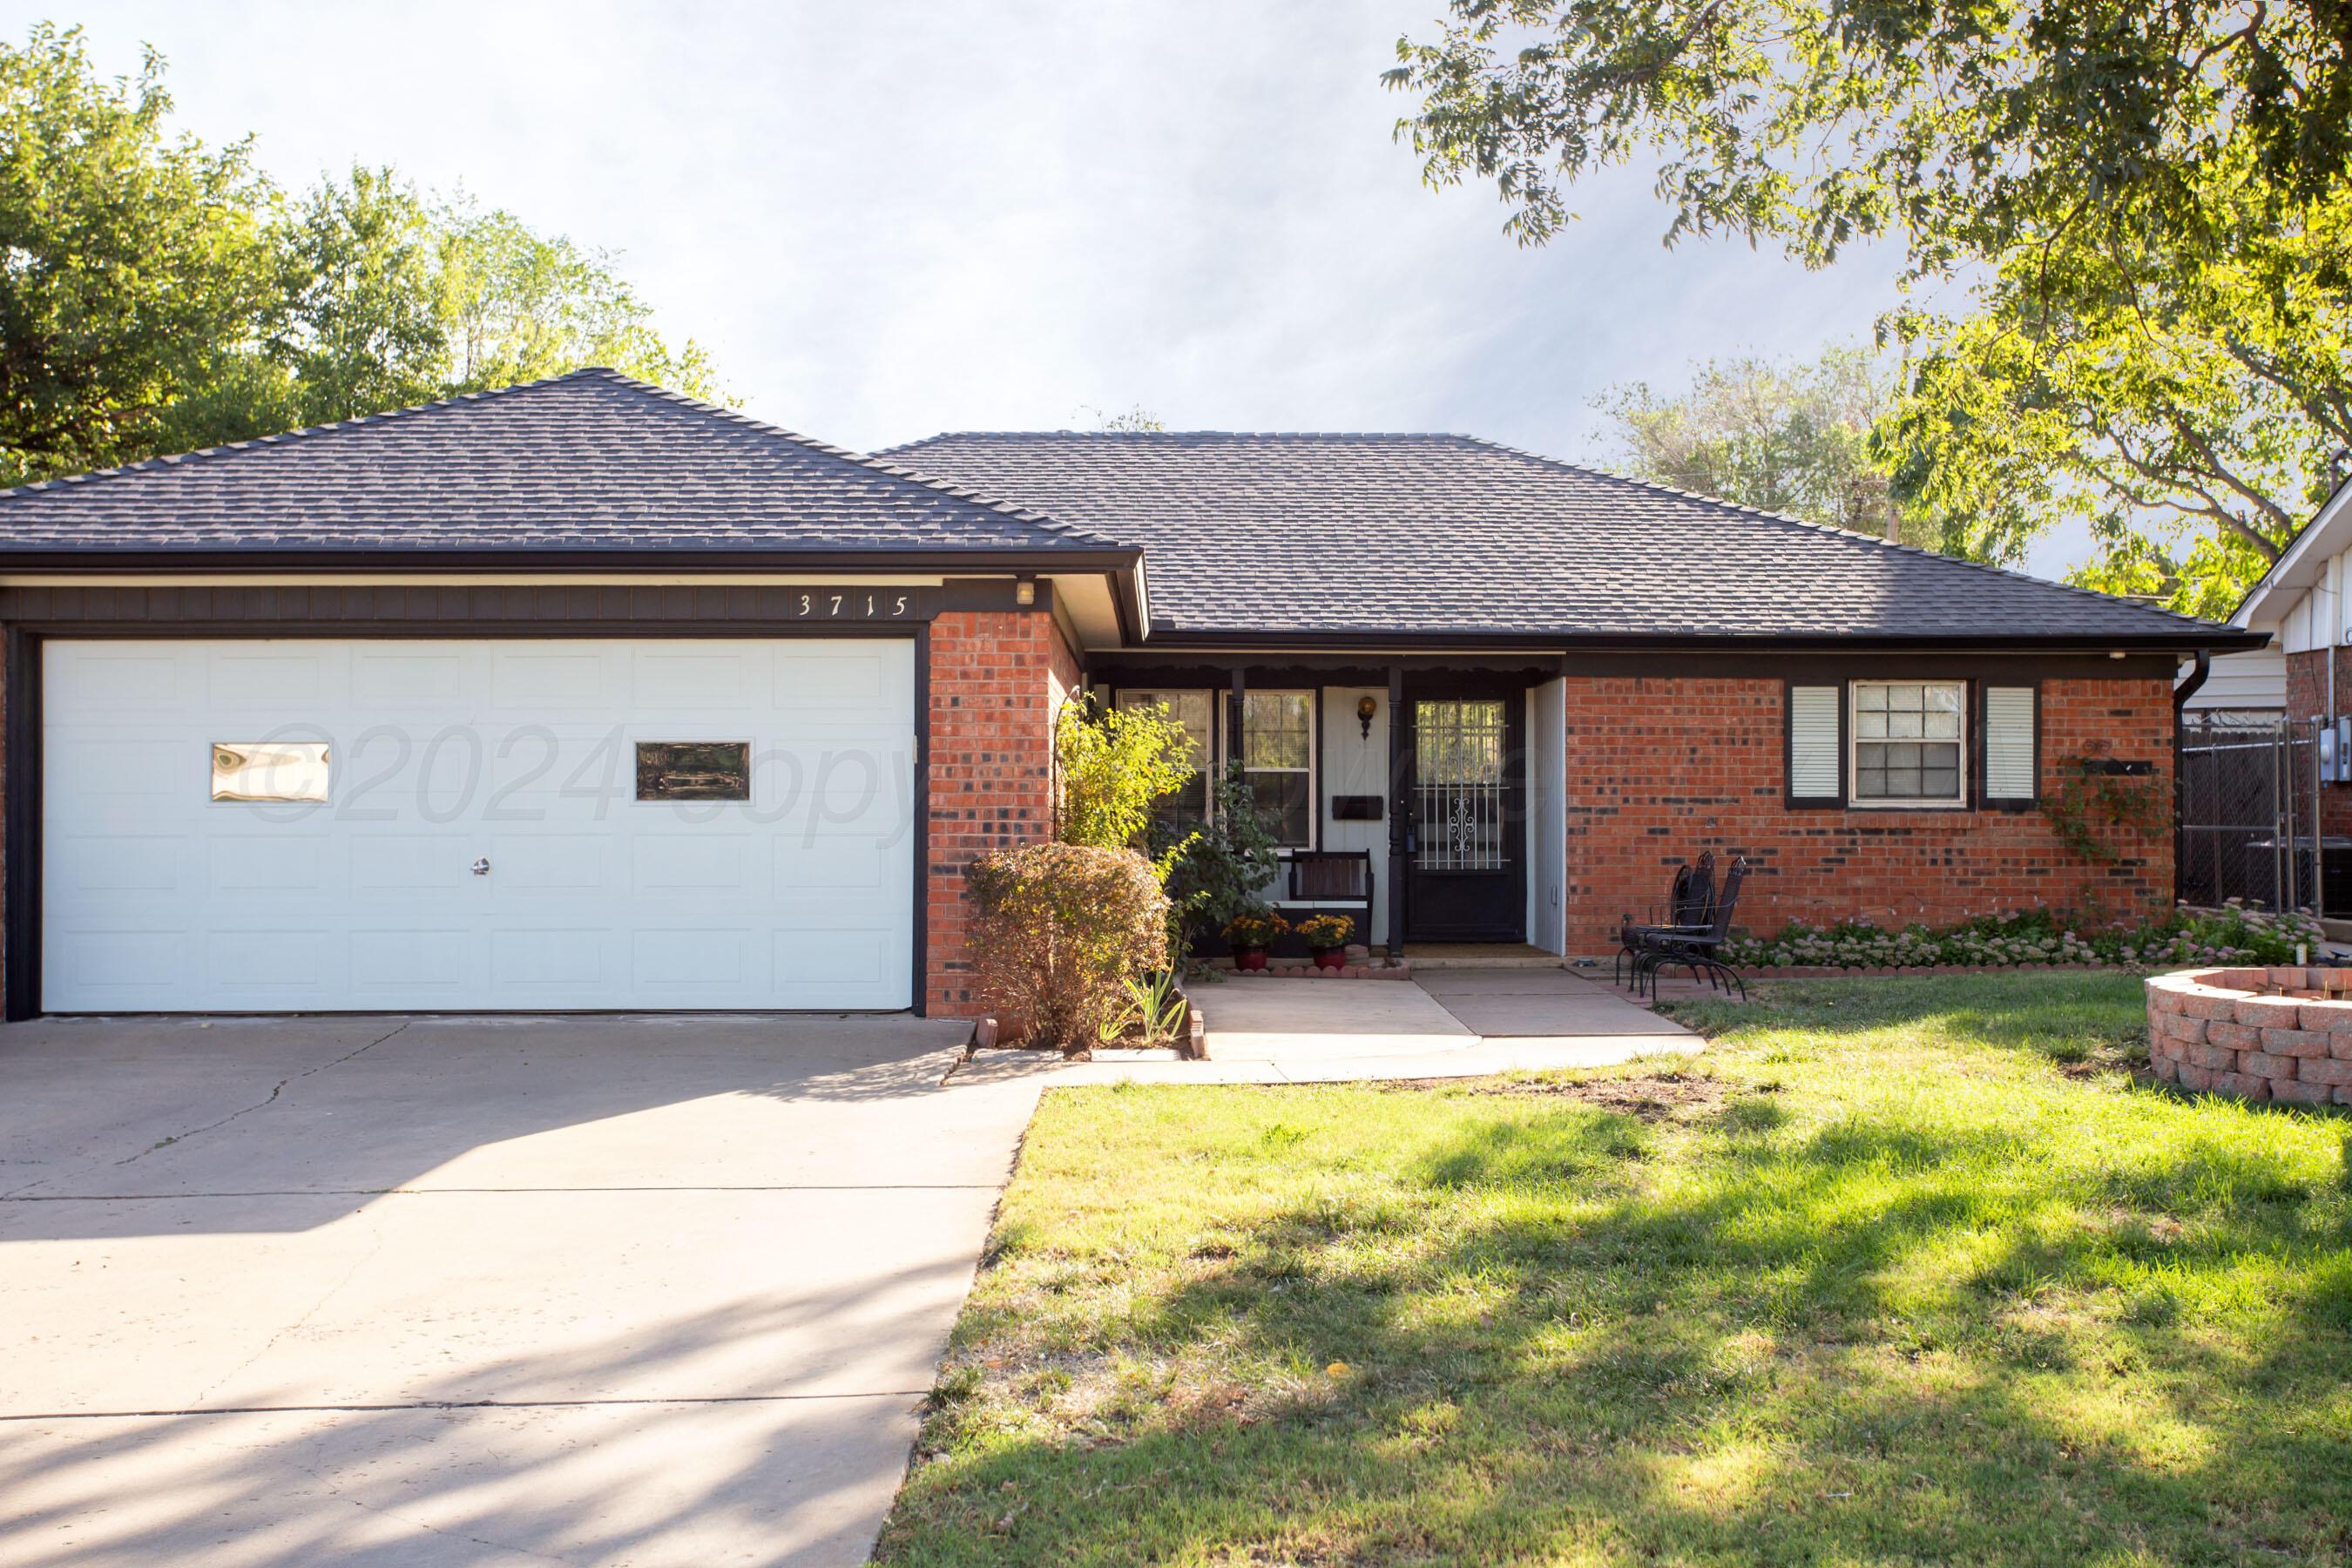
x,y
1440,955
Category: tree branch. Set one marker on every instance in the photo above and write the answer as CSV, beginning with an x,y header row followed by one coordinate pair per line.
x,y
2171,482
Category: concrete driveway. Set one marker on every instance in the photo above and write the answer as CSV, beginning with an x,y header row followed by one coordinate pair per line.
x,y
442,1291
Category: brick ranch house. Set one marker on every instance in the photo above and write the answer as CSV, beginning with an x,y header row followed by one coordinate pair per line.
x,y
584,695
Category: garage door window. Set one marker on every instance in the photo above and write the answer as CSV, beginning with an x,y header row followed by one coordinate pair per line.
x,y
270,769
694,770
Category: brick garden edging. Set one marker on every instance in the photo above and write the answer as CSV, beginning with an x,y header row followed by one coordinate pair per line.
x,y
1311,972
2258,1034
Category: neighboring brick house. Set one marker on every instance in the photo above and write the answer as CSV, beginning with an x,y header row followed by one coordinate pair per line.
x,y
582,695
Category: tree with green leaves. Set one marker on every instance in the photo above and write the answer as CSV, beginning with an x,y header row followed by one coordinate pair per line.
x,y
1794,438
519,305
156,296
134,265
360,319
2188,411
2144,204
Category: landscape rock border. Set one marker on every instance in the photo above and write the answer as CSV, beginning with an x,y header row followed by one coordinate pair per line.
x,y
1310,971
2273,1034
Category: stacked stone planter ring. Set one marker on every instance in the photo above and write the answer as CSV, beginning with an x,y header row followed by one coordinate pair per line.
x,y
2280,1035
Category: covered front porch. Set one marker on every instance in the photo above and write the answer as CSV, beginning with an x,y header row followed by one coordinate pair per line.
x,y
1425,797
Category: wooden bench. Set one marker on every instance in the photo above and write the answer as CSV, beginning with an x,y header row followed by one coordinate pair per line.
x,y
1337,881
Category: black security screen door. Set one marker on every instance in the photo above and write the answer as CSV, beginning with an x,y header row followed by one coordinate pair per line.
x,y
1466,855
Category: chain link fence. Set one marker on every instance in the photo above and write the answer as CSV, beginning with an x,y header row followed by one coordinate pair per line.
x,y
2249,795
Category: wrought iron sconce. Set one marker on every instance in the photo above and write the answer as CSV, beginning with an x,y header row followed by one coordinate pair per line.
x,y
1365,708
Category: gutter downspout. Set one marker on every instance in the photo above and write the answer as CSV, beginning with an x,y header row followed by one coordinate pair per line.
x,y
2335,584
2331,583
2189,688
2180,696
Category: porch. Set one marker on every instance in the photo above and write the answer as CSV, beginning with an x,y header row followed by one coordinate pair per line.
x,y
1425,798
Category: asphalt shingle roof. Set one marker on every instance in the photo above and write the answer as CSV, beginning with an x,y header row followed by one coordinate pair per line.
x,y
591,460
1373,533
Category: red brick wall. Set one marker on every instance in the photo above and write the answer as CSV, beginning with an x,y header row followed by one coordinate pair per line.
x,y
1661,768
994,677
2306,697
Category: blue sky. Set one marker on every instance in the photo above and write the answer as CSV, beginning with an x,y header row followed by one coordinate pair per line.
x,y
887,220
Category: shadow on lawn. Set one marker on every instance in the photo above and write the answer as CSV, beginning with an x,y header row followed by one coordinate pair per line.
x,y
1775,1358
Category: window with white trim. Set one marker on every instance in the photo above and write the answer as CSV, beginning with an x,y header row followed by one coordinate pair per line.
x,y
1910,743
1277,758
1186,808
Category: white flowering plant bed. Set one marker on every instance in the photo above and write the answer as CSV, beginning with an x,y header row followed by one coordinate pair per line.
x,y
2230,934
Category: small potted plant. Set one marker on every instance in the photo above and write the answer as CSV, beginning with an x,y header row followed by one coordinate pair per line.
x,y
1250,934
1326,939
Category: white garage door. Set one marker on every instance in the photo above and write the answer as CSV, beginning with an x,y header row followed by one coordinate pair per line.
x,y
597,888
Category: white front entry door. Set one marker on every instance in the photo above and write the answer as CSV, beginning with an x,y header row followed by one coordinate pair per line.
x,y
516,756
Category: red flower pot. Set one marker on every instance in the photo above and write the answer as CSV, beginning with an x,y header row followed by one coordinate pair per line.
x,y
1331,958
1249,958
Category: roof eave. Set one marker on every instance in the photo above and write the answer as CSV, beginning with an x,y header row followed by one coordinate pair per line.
x,y
277,559
2215,639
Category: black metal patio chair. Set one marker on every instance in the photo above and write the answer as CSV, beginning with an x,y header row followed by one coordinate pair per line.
x,y
1695,950
1689,907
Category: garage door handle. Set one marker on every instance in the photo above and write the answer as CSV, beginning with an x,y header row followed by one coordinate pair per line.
x,y
482,867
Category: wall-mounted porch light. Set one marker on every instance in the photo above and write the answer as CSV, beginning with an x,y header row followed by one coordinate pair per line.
x,y
1025,592
1365,708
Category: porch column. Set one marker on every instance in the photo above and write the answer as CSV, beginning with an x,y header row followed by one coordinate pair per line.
x,y
1399,804
1234,718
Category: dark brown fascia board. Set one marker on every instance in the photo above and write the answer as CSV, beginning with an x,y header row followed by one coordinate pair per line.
x,y
2218,640
1126,602
267,560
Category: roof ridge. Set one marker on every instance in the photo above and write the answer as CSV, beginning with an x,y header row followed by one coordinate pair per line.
x,y
1805,523
1173,435
859,459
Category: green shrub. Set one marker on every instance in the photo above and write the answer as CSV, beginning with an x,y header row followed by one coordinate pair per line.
x,y
1223,869
1110,765
2230,934
1057,930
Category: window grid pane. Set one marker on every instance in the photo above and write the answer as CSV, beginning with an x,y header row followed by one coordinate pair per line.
x,y
1277,756
1908,740
1188,807
1278,731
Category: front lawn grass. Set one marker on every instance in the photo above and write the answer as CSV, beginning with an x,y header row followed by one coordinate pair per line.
x,y
1902,1271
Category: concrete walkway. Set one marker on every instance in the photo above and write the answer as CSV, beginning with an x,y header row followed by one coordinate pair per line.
x,y
1456,1023
1540,1004
468,1291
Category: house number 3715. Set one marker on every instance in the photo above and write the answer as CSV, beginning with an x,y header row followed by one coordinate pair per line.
x,y
855,602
